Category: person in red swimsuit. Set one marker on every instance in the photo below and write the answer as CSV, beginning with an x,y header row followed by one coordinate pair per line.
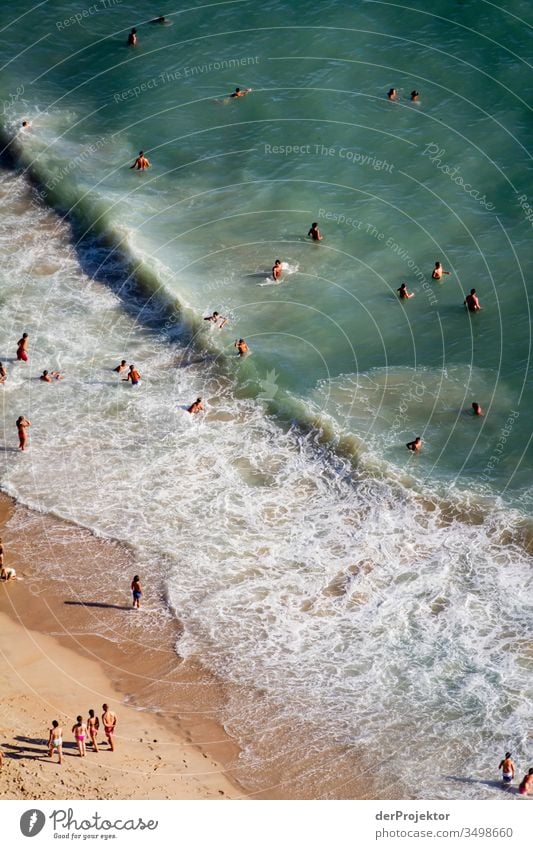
x,y
22,348
109,721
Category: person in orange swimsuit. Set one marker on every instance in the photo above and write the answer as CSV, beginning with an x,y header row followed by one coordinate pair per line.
x,y
80,734
22,424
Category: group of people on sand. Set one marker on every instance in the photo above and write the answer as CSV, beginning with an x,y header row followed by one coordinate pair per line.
x,y
84,733
508,775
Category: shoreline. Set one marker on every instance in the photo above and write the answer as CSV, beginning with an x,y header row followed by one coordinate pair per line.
x,y
43,655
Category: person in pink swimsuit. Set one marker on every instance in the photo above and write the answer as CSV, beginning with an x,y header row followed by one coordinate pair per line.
x,y
80,733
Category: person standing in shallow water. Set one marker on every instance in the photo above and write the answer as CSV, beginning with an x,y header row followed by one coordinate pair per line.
x,y
22,424
314,232
132,38
141,163
136,591
22,348
415,445
508,768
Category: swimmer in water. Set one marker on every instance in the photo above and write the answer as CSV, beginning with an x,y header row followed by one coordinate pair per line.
x,y
392,94
22,348
438,271
414,96
133,375
22,425
314,232
132,38
277,270
160,20
403,294
242,347
196,406
141,163
415,445
3,373
477,409
122,367
46,376
508,769
26,125
217,319
472,302
240,92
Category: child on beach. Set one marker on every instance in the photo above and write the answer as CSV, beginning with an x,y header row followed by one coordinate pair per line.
x,y
137,591
80,733
93,724
55,741
22,348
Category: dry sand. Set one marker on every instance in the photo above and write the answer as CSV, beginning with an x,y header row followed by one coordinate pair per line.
x,y
42,677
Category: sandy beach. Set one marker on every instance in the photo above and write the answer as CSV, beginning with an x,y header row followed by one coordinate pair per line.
x,y
44,677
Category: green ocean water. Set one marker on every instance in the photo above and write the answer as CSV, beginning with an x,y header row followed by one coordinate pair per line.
x,y
235,184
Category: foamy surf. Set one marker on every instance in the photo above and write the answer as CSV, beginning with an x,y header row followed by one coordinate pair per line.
x,y
350,598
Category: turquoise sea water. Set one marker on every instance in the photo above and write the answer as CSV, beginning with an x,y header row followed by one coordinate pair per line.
x,y
235,184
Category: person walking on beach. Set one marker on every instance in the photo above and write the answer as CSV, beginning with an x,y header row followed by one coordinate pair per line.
x,y
403,294
80,734
3,373
242,347
314,232
22,348
277,270
508,768
122,367
93,724
136,591
141,163
438,271
22,424
472,301
196,406
133,375
415,445
55,741
526,785
109,721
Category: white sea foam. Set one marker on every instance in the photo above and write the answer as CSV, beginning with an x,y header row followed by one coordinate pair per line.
x,y
345,598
